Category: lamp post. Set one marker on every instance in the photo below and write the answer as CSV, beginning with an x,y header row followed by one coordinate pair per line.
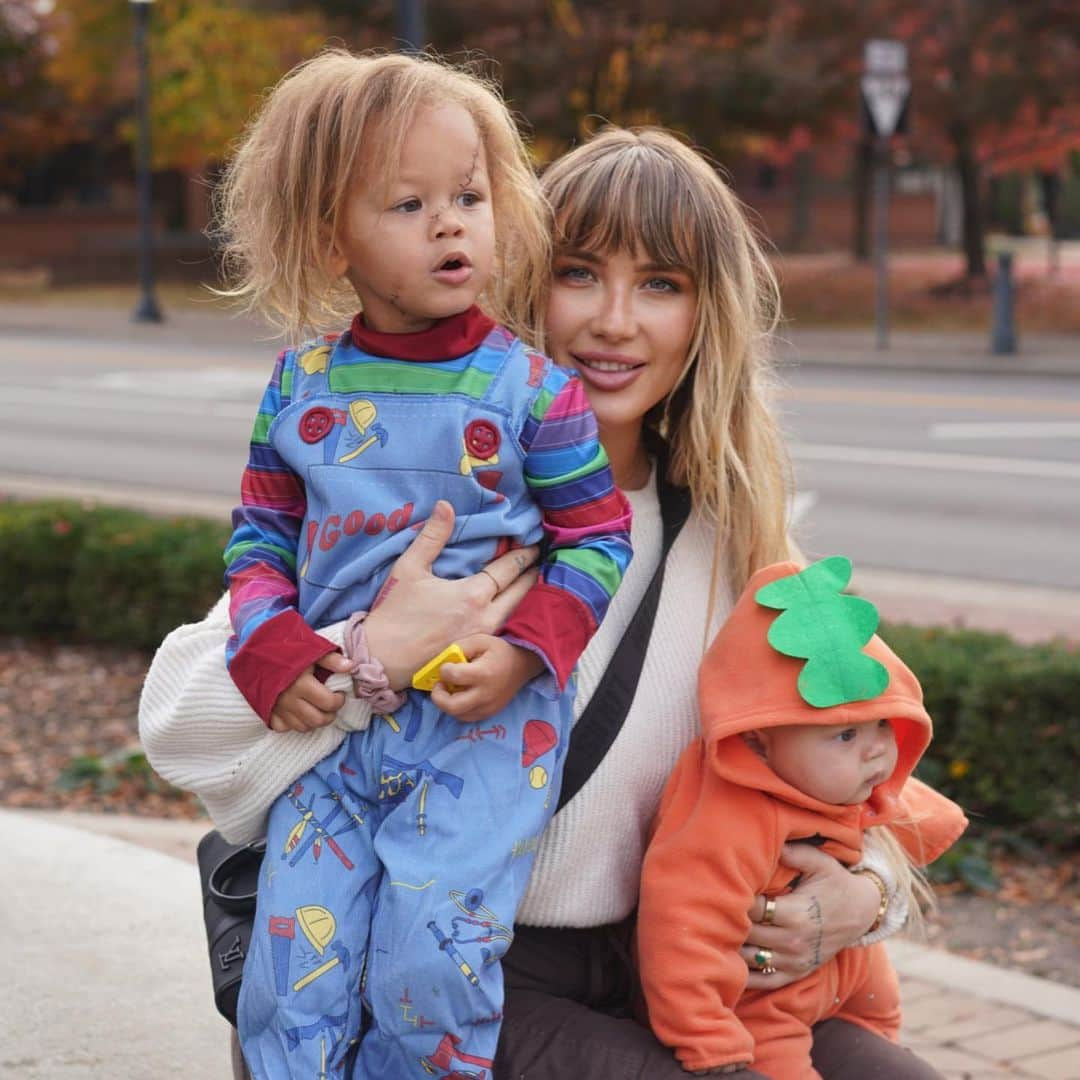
x,y
147,309
410,25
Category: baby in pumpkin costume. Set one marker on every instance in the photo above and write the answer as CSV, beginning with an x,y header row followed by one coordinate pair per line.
x,y
815,753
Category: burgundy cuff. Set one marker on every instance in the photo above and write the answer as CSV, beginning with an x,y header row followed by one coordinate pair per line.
x,y
556,624
274,657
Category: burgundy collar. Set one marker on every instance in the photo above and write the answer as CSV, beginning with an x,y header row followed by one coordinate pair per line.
x,y
448,339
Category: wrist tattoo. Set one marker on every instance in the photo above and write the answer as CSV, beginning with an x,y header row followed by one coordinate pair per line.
x,y
384,592
815,915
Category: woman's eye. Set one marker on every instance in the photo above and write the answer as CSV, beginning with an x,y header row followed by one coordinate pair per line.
x,y
662,285
408,206
575,273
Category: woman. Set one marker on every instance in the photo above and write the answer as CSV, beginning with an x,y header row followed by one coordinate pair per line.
x,y
662,300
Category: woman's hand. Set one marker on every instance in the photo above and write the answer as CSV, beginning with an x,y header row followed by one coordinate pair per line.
x,y
829,910
417,614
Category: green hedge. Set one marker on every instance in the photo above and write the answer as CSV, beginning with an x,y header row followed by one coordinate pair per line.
x,y
105,575
1006,727
1006,716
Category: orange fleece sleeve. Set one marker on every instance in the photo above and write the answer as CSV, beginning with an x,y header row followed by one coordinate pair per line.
x,y
697,888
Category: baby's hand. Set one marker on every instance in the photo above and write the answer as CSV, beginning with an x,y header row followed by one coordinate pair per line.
x,y
306,704
496,671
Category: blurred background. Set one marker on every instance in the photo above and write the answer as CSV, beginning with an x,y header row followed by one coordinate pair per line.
x,y
990,145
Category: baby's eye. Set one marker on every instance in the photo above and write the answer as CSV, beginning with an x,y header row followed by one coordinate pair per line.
x,y
468,198
408,206
883,724
846,735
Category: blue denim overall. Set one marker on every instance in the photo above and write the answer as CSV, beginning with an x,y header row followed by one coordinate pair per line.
x,y
394,868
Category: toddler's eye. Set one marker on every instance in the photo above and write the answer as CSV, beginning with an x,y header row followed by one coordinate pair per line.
x,y
408,206
468,198
846,735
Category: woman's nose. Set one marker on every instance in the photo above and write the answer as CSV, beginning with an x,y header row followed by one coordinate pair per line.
x,y
615,318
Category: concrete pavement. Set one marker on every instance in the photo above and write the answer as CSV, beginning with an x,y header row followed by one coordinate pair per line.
x,y
107,969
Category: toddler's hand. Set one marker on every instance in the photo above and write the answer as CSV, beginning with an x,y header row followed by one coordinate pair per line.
x,y
496,671
306,704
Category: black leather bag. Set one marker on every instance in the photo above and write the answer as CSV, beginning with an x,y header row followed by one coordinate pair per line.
x,y
230,873
230,878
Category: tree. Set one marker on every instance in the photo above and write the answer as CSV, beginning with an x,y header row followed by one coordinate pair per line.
x,y
977,68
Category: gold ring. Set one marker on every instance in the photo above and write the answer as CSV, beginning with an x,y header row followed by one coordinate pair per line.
x,y
491,577
770,911
763,961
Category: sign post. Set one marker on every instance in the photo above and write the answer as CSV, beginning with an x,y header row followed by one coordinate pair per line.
x,y
885,90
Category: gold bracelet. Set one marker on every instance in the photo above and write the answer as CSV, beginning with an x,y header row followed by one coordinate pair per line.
x,y
883,907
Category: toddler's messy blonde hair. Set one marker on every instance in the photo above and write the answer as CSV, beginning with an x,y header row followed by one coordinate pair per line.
x,y
643,189
339,119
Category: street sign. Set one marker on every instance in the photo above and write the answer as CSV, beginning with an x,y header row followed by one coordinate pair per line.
x,y
885,85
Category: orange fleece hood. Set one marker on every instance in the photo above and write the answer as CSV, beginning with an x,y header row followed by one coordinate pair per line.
x,y
745,684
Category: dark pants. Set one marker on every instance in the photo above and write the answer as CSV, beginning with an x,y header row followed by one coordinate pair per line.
x,y
569,1012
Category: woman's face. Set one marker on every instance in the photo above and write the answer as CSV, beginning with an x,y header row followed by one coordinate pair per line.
x,y
625,325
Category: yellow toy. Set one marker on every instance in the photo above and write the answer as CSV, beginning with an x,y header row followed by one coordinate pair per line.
x,y
428,675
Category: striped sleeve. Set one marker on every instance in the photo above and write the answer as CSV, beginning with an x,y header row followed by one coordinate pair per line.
x,y
271,644
586,522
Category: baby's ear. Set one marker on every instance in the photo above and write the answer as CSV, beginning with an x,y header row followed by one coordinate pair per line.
x,y
754,741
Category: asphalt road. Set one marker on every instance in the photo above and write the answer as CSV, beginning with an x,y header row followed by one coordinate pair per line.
x,y
939,473
958,475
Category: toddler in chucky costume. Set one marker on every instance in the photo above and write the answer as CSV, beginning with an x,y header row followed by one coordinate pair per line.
x,y
813,753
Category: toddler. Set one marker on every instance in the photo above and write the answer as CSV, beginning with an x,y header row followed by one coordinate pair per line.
x,y
394,868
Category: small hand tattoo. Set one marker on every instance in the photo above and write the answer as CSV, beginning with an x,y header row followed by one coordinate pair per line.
x,y
815,915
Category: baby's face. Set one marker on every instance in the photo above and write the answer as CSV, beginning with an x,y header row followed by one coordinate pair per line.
x,y
839,765
423,247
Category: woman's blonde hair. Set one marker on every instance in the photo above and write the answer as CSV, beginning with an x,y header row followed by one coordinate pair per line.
x,y
643,189
336,120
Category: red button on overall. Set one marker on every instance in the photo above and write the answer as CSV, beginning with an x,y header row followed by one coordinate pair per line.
x,y
316,423
482,438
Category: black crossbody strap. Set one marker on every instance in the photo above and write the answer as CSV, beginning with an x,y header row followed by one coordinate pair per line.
x,y
604,715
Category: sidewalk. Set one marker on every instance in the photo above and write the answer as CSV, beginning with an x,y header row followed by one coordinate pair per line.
x,y
105,947
205,324
912,350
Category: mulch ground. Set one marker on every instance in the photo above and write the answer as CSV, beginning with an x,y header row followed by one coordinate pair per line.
x,y
69,740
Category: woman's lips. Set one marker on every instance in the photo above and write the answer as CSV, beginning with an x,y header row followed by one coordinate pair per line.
x,y
607,371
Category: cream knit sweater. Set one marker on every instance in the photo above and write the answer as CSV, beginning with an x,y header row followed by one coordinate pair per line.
x,y
201,735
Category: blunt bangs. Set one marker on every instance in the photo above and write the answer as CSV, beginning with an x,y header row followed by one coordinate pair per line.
x,y
628,199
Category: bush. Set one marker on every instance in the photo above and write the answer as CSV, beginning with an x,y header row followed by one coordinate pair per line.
x,y
1006,716
105,575
38,545
1006,727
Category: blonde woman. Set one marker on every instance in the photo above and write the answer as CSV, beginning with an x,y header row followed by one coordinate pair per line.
x,y
661,299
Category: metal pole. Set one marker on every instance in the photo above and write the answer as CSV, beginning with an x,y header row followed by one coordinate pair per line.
x,y
410,25
147,309
881,242
1003,335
